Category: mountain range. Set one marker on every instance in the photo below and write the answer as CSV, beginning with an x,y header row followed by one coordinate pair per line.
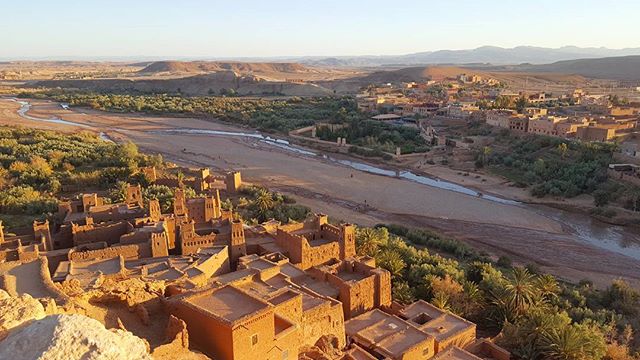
x,y
482,55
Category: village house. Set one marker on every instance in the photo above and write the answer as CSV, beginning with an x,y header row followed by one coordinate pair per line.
x,y
500,118
462,110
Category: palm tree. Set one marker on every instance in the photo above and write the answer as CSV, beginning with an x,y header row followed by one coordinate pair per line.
x,y
392,261
367,241
521,290
264,200
180,177
441,300
573,342
547,286
512,300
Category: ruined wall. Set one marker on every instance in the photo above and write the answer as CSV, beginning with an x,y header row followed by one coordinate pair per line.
x,y
116,213
134,251
190,242
109,233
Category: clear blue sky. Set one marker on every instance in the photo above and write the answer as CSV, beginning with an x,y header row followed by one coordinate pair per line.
x,y
245,28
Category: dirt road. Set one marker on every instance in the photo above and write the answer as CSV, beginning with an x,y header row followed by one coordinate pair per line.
x,y
524,233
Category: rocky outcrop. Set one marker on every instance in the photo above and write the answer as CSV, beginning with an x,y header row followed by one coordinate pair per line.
x,y
178,343
19,310
72,337
326,348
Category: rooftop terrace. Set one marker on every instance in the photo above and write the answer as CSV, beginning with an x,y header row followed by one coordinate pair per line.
x,y
227,303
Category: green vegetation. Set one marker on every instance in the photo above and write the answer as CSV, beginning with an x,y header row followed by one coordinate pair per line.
x,y
559,167
373,138
538,316
37,166
270,115
259,205
376,135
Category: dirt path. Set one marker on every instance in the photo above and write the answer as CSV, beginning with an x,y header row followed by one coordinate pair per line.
x,y
521,232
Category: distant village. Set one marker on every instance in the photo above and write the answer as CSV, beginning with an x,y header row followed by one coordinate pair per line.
x,y
573,115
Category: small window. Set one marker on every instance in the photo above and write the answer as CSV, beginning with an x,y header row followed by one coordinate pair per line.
x,y
254,339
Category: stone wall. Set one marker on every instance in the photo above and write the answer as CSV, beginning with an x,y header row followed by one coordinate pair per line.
x,y
91,233
322,320
134,251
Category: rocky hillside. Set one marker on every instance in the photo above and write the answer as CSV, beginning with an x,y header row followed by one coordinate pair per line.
x,y
619,68
215,66
199,85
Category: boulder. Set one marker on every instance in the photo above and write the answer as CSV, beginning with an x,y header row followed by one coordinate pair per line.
x,y
72,337
18,310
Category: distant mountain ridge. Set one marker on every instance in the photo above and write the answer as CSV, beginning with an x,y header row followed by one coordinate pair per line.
x,y
617,68
483,55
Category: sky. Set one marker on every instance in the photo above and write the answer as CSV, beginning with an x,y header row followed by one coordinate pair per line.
x,y
261,28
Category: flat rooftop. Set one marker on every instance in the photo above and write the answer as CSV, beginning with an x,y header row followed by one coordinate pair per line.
x,y
435,322
227,303
385,332
455,353
351,275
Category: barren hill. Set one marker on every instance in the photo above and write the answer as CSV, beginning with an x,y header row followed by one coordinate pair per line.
x,y
619,68
419,73
214,66
197,85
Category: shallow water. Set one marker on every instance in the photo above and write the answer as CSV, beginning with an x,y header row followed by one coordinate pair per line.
x,y
25,107
286,145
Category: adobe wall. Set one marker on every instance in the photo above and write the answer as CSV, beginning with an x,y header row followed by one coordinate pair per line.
x,y
134,251
264,326
357,297
291,309
423,350
382,289
159,244
191,245
291,244
113,214
323,320
198,211
213,337
460,339
237,244
287,342
330,232
233,181
318,255
109,233
217,264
